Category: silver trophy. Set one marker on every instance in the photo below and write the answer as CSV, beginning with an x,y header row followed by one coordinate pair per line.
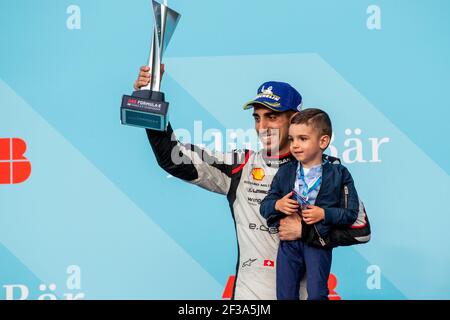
x,y
147,107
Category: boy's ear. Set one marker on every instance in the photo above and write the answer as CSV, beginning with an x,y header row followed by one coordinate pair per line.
x,y
324,142
293,115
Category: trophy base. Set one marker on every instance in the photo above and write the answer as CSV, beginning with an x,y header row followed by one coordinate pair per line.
x,y
145,109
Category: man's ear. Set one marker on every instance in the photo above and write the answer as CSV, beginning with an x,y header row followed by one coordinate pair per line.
x,y
324,142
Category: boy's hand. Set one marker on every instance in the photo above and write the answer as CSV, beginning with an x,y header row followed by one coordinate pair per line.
x,y
313,214
144,77
287,205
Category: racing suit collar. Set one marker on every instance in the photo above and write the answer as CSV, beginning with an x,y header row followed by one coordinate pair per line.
x,y
277,160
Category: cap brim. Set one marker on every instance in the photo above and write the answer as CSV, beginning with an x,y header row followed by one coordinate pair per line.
x,y
252,103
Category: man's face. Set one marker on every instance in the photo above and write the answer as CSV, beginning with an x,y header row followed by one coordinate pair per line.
x,y
306,144
272,128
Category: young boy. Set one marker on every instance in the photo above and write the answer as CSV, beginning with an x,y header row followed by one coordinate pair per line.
x,y
316,184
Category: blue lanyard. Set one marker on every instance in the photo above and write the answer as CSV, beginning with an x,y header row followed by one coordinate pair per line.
x,y
306,189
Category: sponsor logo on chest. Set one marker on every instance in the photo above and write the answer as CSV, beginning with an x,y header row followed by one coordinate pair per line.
x,y
257,183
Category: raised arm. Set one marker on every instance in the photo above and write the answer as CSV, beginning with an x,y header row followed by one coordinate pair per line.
x,y
191,163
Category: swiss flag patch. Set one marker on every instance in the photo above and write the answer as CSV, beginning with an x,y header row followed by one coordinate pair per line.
x,y
269,263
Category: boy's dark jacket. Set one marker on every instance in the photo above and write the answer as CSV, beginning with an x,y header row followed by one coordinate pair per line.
x,y
330,196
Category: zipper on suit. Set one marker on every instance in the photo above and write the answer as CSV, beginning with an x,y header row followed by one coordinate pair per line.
x,y
322,242
345,196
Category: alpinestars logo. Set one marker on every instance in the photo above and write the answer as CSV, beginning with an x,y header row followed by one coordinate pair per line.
x,y
14,167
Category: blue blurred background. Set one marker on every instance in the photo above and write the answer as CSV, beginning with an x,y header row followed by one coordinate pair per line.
x,y
96,198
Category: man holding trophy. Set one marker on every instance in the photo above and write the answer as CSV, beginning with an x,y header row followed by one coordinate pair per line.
x,y
244,176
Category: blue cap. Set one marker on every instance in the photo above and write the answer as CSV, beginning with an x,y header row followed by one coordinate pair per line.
x,y
277,96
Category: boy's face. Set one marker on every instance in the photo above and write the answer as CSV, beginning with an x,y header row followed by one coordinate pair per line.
x,y
306,144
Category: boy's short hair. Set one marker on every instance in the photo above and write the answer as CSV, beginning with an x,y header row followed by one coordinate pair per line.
x,y
319,119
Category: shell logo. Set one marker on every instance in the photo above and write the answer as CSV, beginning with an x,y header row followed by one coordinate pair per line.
x,y
258,174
